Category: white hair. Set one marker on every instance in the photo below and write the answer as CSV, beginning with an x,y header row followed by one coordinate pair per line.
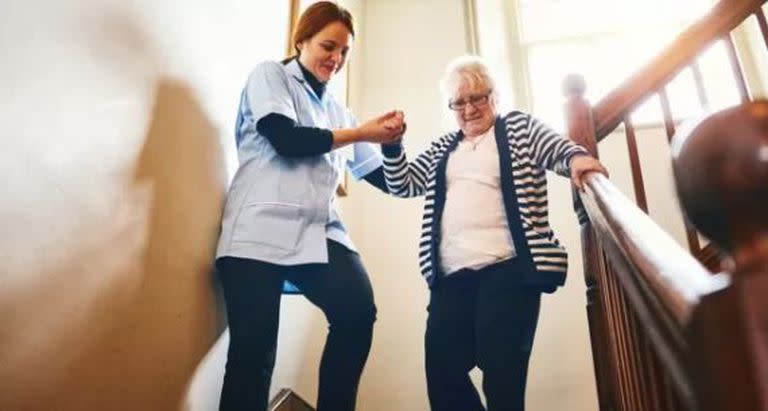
x,y
470,69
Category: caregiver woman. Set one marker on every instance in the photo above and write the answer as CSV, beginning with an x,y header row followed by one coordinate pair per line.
x,y
280,228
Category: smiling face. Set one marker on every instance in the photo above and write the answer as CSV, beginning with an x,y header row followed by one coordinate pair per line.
x,y
474,106
325,53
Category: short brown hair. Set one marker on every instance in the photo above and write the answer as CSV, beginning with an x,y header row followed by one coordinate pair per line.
x,y
316,17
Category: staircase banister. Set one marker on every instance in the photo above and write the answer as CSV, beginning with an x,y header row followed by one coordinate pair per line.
x,y
610,111
675,277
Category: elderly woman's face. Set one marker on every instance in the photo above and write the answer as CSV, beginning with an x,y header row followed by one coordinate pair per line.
x,y
474,107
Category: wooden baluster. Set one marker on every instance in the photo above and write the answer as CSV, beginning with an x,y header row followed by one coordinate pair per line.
x,y
698,79
581,130
721,170
613,291
609,302
658,391
669,122
634,161
669,125
648,374
674,401
630,349
644,362
638,382
596,315
625,355
763,25
622,332
738,75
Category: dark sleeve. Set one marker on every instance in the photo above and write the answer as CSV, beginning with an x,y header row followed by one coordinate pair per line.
x,y
291,140
376,179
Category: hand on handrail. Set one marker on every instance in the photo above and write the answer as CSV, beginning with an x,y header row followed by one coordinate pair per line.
x,y
581,165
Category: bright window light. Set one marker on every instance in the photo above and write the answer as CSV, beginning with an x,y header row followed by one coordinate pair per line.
x,y
559,37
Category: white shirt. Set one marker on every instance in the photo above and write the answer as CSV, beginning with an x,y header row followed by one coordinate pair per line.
x,y
474,228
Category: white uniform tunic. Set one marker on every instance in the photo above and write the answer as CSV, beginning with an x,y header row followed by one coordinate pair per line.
x,y
281,210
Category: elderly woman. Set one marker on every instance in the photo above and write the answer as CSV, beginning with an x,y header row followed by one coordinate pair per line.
x,y
487,250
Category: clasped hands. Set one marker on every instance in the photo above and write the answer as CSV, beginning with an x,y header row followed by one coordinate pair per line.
x,y
387,128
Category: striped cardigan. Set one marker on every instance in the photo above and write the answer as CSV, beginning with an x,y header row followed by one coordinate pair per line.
x,y
527,148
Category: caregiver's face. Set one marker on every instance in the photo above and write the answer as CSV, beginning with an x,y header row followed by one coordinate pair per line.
x,y
324,53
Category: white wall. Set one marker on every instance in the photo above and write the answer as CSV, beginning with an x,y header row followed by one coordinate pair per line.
x,y
115,122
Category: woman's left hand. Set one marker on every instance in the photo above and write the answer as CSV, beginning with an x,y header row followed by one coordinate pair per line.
x,y
583,164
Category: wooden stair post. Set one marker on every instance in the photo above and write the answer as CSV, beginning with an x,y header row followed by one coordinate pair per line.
x,y
581,129
721,169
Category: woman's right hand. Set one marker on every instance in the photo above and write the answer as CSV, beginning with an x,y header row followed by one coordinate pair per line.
x,y
385,129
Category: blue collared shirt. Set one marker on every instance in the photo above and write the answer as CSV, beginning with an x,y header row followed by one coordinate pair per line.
x,y
281,210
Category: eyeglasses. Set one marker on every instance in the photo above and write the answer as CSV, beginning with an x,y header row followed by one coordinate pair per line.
x,y
476,100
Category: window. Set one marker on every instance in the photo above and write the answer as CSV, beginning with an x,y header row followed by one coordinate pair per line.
x,y
536,43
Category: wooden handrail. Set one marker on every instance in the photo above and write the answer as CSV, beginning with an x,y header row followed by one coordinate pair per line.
x,y
722,19
670,271
660,280
666,334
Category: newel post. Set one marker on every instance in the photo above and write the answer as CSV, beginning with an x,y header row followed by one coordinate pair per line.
x,y
721,170
581,130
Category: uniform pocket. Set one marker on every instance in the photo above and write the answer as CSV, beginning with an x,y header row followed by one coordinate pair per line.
x,y
274,224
